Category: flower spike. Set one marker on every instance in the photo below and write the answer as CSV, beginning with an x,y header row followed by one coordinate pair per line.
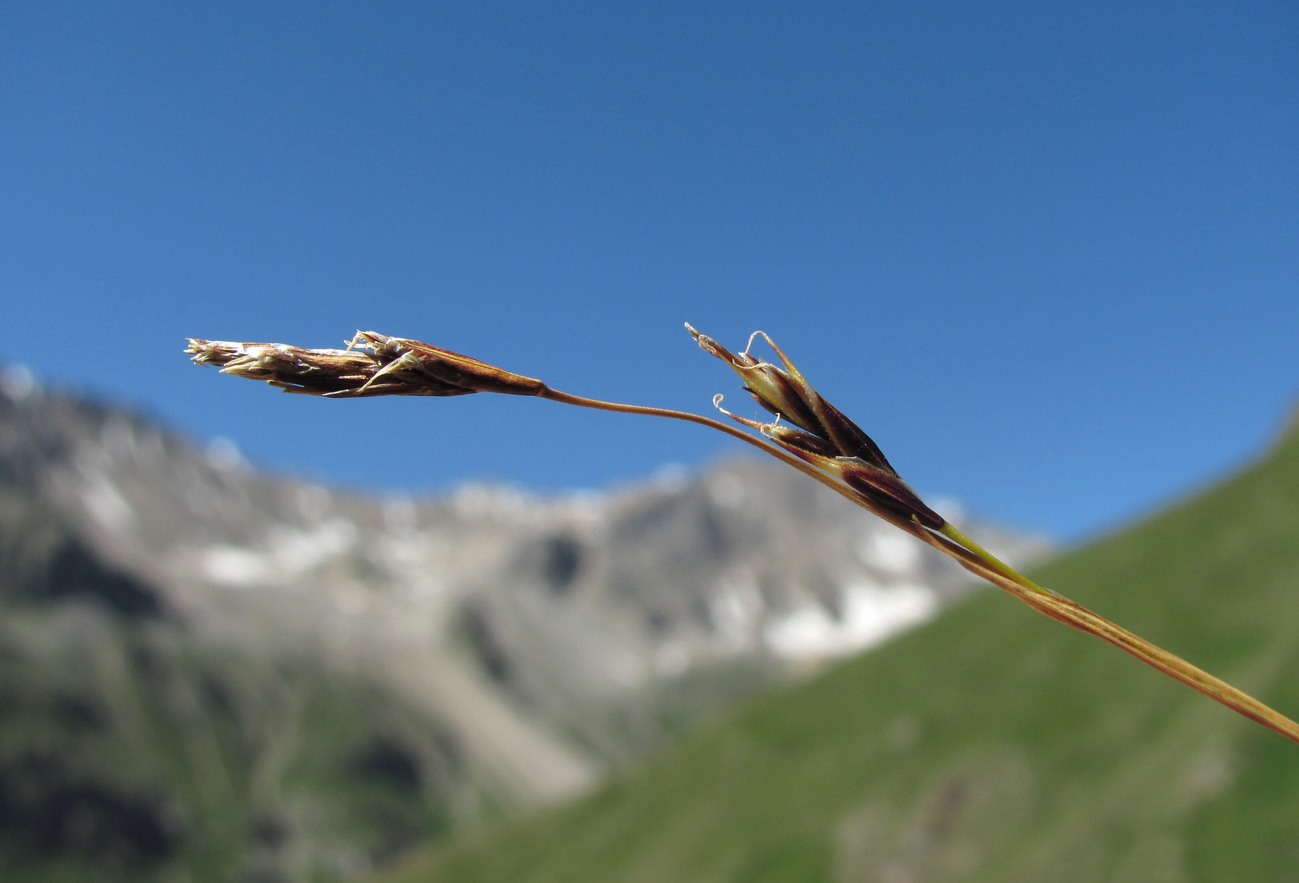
x,y
786,393
820,434
809,434
372,365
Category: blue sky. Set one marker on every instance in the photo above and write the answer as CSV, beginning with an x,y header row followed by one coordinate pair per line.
x,y
1046,254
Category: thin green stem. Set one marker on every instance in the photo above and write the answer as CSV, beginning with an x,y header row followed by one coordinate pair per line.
x,y
991,560
1074,615
980,561
780,454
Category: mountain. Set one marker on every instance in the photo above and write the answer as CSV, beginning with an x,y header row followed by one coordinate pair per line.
x,y
989,745
211,673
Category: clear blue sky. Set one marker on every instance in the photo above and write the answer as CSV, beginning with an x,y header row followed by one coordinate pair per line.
x,y
1046,254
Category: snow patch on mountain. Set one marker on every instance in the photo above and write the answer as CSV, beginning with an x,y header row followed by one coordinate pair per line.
x,y
868,615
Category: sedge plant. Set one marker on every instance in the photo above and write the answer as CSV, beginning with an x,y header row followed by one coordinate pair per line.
x,y
807,433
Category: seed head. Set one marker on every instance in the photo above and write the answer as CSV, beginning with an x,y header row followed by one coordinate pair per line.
x,y
818,433
372,365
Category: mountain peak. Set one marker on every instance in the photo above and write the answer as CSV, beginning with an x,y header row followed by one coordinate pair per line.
x,y
543,639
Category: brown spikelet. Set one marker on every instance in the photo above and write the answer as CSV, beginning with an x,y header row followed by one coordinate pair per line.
x,y
372,365
809,434
819,433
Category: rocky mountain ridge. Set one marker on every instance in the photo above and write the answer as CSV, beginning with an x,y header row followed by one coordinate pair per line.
x,y
545,639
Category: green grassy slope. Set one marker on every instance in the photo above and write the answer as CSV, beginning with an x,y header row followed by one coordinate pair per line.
x,y
132,753
992,745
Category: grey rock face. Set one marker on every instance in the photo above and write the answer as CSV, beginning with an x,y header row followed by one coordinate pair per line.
x,y
547,637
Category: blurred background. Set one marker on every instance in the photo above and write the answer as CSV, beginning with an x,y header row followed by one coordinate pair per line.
x,y
1044,254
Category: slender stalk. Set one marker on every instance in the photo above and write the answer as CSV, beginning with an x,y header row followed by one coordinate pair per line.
x,y
992,561
829,481
984,564
1077,616
809,434
566,398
